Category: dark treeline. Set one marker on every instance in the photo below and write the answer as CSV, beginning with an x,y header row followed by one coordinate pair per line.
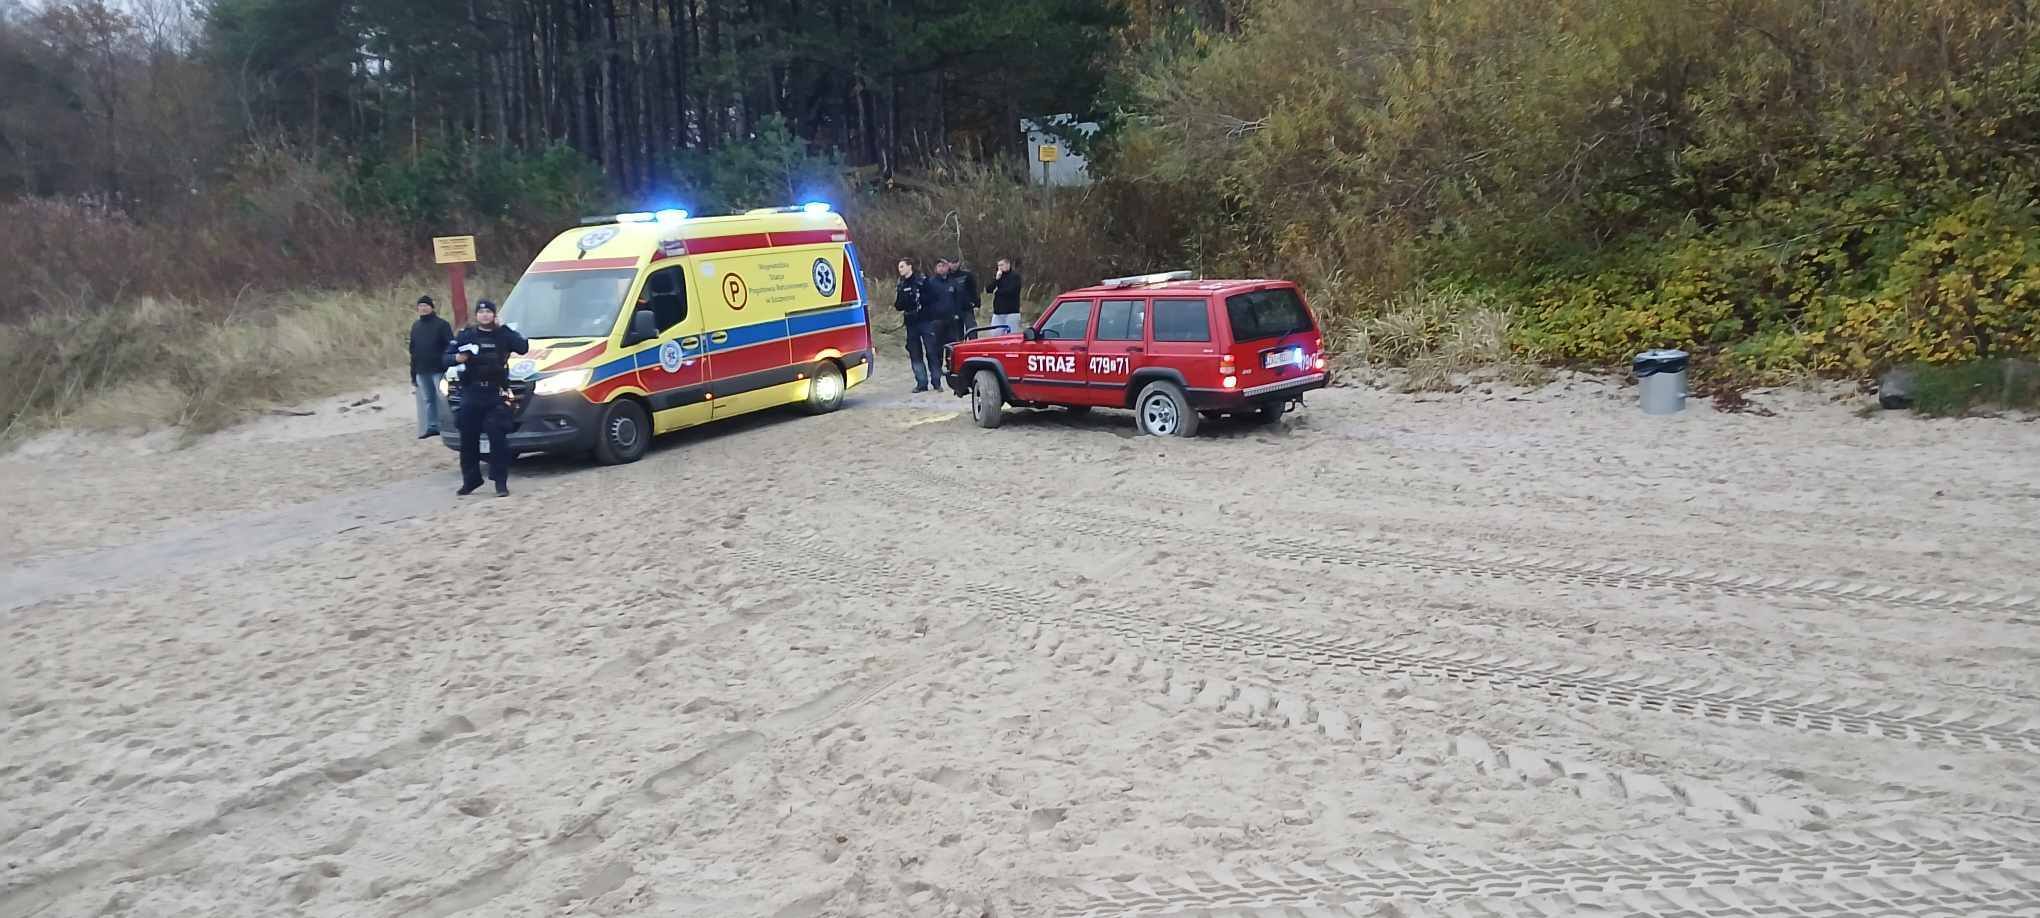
x,y
143,99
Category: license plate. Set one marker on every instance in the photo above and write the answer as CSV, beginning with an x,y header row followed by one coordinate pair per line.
x,y
1287,357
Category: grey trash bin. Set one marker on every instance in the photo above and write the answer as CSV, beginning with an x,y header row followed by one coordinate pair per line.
x,y
1661,381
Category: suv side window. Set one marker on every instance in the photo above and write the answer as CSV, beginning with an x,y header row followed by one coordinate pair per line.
x,y
1122,320
1182,320
1070,321
666,296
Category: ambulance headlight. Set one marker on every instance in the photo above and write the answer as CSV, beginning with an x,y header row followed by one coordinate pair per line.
x,y
570,381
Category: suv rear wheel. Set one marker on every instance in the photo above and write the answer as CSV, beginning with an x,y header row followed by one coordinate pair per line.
x,y
1163,410
1270,413
987,399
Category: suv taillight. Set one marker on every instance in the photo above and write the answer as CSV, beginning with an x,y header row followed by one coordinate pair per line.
x,y
1227,367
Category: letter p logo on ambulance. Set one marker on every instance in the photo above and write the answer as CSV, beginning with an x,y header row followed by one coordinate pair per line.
x,y
824,275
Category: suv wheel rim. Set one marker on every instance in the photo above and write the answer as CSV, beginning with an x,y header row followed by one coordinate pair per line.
x,y
623,433
1160,415
977,402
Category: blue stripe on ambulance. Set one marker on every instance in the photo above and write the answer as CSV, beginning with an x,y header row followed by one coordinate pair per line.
x,y
809,323
741,336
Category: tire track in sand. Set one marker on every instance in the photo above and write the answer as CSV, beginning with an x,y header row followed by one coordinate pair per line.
x,y
1728,701
1903,869
1421,558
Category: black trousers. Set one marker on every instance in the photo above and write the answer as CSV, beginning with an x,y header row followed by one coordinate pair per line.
x,y
924,352
483,412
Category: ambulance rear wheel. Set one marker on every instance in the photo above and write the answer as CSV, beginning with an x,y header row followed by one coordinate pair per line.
x,y
825,389
624,434
987,399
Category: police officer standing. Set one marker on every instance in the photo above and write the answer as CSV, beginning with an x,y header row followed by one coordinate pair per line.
x,y
479,362
967,297
924,337
945,302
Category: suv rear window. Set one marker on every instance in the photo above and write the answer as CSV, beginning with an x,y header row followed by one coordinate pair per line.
x,y
1181,320
1266,314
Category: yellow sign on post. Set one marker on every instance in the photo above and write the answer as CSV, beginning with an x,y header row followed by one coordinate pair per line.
x,y
1050,153
453,250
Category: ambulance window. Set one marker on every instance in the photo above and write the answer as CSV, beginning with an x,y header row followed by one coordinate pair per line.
x,y
1069,322
1181,320
1122,320
567,304
666,297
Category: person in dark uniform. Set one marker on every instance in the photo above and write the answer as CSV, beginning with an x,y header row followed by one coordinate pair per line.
x,y
479,363
924,339
967,297
944,301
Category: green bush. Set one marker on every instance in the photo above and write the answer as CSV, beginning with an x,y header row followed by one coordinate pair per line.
x,y
1781,187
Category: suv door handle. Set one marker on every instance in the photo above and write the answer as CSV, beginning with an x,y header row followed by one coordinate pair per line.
x,y
1135,350
691,341
1081,350
718,337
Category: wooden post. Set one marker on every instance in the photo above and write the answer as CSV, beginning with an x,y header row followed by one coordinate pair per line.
x,y
1049,153
456,253
456,279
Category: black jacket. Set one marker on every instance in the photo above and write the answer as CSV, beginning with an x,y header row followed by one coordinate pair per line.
x,y
490,366
942,298
429,337
966,286
1006,294
912,300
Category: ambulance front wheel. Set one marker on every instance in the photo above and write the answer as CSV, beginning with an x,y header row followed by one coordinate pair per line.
x,y
825,389
624,434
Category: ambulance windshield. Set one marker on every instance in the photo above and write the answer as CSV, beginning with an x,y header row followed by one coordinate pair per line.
x,y
567,304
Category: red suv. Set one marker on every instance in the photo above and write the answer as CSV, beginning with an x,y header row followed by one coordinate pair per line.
x,y
1168,346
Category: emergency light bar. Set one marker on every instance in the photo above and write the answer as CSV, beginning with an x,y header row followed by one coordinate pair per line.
x,y
664,216
1142,280
811,207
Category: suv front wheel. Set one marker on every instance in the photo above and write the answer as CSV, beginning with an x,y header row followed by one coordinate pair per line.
x,y
1163,410
987,399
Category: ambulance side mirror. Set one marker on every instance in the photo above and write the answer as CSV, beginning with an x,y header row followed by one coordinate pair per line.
x,y
643,327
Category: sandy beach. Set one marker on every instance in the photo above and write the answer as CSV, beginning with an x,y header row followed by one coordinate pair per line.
x,y
1508,652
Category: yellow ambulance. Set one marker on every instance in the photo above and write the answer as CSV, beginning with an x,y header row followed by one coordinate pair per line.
x,y
646,323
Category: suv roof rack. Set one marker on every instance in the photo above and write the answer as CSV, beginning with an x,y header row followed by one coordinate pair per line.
x,y
1142,280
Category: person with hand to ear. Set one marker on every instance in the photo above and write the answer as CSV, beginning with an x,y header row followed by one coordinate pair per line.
x,y
479,363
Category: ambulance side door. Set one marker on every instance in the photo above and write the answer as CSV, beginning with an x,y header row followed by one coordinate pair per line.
x,y
745,332
674,369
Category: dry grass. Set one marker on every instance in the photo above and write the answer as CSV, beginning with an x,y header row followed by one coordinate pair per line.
x,y
159,362
1440,337
980,213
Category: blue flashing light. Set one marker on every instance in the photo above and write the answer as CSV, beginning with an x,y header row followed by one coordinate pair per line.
x,y
635,218
671,216
815,207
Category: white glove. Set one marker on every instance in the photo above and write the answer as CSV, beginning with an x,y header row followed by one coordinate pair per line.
x,y
453,373
475,349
